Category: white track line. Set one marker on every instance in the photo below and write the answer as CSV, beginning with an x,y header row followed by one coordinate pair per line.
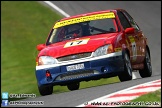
x,y
57,8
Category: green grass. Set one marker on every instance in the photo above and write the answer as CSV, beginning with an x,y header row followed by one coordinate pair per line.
x,y
148,100
24,25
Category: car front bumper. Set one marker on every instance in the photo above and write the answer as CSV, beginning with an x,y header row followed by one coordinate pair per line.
x,y
94,68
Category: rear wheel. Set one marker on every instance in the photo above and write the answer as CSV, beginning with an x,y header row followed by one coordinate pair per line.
x,y
127,73
73,86
45,90
147,71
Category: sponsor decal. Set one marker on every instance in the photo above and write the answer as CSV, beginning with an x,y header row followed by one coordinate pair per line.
x,y
134,48
117,49
83,19
36,63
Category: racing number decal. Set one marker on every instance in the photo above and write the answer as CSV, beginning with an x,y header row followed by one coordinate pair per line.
x,y
76,42
134,48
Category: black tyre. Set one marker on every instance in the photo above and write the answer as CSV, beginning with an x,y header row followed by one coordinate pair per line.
x,y
147,71
127,73
45,90
73,86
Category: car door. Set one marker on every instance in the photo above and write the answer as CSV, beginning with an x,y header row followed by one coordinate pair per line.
x,y
131,38
139,38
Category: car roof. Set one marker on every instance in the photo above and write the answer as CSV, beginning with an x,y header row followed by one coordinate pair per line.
x,y
90,13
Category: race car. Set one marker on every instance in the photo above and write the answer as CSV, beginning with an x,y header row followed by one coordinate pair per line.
x,y
92,46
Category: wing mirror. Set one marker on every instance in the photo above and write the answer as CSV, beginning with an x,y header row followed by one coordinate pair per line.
x,y
130,30
40,47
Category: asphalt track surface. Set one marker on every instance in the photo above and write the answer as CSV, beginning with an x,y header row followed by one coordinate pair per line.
x,y
147,14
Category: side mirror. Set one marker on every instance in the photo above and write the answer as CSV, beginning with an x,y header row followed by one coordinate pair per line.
x,y
129,30
40,47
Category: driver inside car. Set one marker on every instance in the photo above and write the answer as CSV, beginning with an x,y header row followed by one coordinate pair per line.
x,y
75,30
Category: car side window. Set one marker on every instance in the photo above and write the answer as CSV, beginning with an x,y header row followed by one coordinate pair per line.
x,y
131,20
123,20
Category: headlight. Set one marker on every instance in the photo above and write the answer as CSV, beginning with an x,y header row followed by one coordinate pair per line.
x,y
46,60
103,50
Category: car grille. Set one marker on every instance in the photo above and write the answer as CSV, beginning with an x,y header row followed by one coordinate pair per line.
x,y
74,75
73,57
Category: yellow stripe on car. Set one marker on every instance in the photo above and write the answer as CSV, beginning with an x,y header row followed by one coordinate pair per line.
x,y
83,19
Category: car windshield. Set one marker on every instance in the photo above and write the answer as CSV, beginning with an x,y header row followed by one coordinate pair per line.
x,y
82,29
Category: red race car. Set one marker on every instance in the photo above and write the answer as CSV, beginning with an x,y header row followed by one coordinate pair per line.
x,y
91,46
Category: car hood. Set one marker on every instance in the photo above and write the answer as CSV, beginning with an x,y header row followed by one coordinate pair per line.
x,y
77,45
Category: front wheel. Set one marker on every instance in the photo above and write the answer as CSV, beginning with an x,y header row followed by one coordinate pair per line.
x,y
73,86
45,90
127,73
147,71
